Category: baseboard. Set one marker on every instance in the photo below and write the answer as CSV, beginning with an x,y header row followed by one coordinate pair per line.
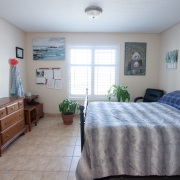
x,y
56,115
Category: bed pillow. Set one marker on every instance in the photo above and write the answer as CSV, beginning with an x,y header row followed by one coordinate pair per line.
x,y
172,99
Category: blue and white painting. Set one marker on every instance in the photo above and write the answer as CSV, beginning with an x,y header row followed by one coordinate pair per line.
x,y
48,48
171,59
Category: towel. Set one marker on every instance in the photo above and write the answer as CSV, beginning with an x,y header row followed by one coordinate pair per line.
x,y
17,89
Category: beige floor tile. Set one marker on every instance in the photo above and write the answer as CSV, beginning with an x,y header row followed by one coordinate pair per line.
x,y
44,126
70,133
59,126
40,132
55,176
31,139
36,163
49,144
64,151
11,149
69,140
71,176
74,163
78,141
59,164
14,163
8,175
45,150
3,158
50,140
77,151
29,175
55,132
27,149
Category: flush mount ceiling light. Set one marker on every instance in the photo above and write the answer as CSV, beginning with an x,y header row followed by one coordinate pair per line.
x,y
93,12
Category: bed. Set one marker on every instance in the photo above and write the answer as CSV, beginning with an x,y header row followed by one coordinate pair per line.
x,y
130,139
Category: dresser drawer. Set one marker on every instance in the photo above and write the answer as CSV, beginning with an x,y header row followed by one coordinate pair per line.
x,y
39,109
12,108
11,131
21,104
11,119
2,112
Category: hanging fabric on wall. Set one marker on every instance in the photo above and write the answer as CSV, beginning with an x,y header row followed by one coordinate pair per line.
x,y
17,89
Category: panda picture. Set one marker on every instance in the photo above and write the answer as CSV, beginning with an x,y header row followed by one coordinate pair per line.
x,y
134,63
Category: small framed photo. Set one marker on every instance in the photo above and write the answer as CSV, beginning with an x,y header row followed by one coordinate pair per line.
x,y
19,53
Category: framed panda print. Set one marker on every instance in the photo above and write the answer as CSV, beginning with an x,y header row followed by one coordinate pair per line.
x,y
135,59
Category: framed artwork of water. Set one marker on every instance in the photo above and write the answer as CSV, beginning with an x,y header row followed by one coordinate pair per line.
x,y
48,49
171,59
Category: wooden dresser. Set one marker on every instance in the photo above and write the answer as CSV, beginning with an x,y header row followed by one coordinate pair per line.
x,y
12,122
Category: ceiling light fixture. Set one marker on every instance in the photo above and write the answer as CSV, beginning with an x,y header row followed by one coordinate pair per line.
x,y
93,12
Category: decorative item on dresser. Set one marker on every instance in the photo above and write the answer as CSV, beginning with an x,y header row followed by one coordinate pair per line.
x,y
12,122
33,110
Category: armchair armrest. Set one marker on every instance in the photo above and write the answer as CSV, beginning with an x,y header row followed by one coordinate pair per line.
x,y
136,99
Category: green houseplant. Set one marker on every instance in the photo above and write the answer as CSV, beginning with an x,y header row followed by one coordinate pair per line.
x,y
67,109
120,92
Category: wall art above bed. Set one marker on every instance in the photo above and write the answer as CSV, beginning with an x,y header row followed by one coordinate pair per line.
x,y
171,59
48,48
135,58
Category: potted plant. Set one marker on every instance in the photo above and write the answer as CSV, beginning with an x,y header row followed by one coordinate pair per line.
x,y
120,92
67,109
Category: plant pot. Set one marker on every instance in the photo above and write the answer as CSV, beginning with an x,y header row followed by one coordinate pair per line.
x,y
67,119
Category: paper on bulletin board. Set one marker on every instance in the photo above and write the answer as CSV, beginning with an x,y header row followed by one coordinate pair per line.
x,y
48,74
57,73
40,80
50,83
58,84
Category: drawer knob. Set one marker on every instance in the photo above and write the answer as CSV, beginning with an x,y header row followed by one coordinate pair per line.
x,y
20,114
2,112
7,122
7,135
13,108
21,125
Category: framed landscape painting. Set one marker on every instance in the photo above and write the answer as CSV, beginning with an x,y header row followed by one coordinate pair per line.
x,y
135,58
48,48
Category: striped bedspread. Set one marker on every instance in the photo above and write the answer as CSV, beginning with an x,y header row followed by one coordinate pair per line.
x,y
130,139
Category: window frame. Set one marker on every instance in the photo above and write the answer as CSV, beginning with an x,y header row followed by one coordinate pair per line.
x,y
93,47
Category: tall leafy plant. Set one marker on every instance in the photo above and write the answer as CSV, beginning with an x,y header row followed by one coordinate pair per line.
x,y
120,92
68,107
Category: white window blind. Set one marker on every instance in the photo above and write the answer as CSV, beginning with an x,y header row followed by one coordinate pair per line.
x,y
93,68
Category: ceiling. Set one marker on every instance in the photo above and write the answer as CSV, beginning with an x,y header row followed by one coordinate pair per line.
x,y
130,16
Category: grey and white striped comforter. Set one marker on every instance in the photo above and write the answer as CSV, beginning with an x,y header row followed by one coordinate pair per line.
x,y
130,139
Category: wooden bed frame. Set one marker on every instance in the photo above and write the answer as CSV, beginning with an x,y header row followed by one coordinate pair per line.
x,y
82,123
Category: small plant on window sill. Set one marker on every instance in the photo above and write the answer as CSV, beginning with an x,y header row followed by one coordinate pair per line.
x,y
120,92
67,109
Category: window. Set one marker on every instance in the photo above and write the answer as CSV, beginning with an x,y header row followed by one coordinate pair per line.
x,y
94,68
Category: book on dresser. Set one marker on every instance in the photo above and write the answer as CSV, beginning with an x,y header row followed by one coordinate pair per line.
x,y
12,123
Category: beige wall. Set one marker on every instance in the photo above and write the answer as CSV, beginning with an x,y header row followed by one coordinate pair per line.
x,y
169,79
137,84
10,37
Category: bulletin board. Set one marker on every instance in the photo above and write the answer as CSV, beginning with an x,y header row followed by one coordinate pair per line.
x,y
49,76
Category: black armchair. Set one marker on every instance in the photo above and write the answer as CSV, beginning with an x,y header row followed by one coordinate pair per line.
x,y
151,95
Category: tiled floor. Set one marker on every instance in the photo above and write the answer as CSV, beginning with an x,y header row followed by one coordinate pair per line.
x,y
49,152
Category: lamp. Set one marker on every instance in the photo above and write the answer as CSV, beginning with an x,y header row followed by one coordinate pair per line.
x,y
93,12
